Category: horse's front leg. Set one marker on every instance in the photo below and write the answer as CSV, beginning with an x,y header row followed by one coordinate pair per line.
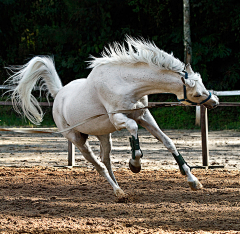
x,y
121,121
147,121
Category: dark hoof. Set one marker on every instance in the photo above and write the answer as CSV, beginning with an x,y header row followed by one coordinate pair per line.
x,y
134,169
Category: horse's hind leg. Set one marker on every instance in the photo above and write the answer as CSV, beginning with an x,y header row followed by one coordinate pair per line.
x,y
147,121
105,150
80,140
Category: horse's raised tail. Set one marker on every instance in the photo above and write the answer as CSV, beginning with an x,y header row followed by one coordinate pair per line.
x,y
25,78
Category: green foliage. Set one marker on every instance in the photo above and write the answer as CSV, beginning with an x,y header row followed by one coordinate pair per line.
x,y
71,30
225,117
221,118
9,118
215,35
175,117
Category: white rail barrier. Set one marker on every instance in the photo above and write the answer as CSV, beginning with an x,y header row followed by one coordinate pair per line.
x,y
226,93
218,93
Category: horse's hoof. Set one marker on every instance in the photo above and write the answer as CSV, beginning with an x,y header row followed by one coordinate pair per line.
x,y
195,185
134,169
122,197
119,193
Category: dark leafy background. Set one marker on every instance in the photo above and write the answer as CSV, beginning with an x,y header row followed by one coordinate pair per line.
x,y
70,30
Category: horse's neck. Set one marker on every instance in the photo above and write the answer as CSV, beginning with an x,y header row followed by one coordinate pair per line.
x,y
146,80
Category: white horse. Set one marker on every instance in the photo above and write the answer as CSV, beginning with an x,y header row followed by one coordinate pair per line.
x,y
119,81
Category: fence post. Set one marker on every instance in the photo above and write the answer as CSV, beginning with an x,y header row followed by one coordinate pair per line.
x,y
204,132
186,32
198,114
71,154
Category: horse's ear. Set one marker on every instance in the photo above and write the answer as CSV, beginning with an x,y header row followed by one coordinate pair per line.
x,y
188,82
188,69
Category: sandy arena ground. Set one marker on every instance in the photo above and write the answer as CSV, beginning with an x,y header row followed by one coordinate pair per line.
x,y
38,196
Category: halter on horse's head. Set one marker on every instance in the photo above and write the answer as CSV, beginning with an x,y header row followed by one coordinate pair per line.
x,y
194,92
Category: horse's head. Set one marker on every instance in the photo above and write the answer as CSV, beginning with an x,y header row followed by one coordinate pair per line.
x,y
194,91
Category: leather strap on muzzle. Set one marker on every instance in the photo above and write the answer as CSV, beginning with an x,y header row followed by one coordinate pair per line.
x,y
193,103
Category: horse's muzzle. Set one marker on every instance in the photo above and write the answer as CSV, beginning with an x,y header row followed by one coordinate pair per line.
x,y
212,103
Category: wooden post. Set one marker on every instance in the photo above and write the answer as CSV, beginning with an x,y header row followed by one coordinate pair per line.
x,y
198,116
71,154
204,131
187,34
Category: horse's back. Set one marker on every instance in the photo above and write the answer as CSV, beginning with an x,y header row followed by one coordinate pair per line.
x,y
77,102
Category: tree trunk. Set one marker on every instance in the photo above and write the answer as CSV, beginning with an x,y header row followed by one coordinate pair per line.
x,y
187,34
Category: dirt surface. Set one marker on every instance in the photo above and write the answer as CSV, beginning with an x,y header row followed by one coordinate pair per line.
x,y
52,200
36,197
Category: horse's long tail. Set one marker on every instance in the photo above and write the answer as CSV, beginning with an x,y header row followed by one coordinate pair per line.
x,y
25,78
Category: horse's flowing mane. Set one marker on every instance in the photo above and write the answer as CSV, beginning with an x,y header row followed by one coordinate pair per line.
x,y
139,50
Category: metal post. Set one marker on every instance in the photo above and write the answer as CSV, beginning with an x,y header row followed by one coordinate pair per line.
x,y
71,154
204,132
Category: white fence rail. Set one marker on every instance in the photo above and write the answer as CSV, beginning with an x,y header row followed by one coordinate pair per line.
x,y
218,93
226,93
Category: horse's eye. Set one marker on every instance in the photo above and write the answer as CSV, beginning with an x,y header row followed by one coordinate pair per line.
x,y
197,95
